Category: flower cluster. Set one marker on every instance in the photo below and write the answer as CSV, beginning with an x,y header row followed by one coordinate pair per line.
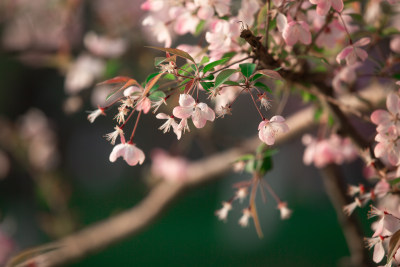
x,y
334,150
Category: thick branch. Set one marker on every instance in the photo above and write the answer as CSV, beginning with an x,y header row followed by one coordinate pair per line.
x,y
99,236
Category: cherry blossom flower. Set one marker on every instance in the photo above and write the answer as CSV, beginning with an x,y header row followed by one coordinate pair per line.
x,y
332,150
323,6
346,75
353,53
349,208
172,169
103,46
244,220
183,126
168,124
7,246
387,146
136,94
385,119
206,10
129,152
284,210
94,114
241,193
185,20
223,110
83,73
268,129
222,37
293,31
264,101
376,243
222,213
112,137
387,224
199,112
159,29
157,104
247,11
395,44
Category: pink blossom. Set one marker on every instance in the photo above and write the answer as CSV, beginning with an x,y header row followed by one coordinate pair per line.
x,y
159,29
268,129
323,6
377,244
346,75
185,21
353,52
129,152
284,210
395,44
222,37
168,124
7,247
244,220
293,31
199,112
206,10
83,73
222,213
136,94
387,224
387,146
323,152
247,11
153,5
104,46
94,114
173,169
385,119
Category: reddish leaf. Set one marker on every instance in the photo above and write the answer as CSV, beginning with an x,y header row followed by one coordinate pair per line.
x,y
175,51
119,79
151,83
188,86
270,73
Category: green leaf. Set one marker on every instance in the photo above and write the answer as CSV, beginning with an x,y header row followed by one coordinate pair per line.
x,y
185,81
169,76
390,31
158,60
209,77
157,95
266,165
245,157
263,86
174,51
232,83
199,27
394,181
151,76
223,76
211,65
112,68
256,77
229,54
247,69
207,85
396,76
204,60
